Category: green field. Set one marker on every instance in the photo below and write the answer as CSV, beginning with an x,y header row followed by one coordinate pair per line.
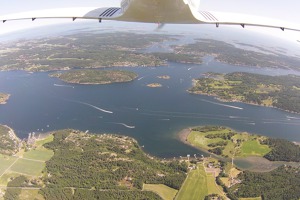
x,y
234,144
40,153
253,147
163,191
195,185
198,184
5,178
47,139
5,162
30,194
212,186
28,167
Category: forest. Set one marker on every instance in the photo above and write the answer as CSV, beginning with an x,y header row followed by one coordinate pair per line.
x,y
281,183
282,150
105,165
8,145
277,91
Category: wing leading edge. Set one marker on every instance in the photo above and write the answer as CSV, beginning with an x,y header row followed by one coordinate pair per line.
x,y
163,11
108,13
218,18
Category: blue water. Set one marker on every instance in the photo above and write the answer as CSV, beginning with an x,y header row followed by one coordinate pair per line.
x,y
153,116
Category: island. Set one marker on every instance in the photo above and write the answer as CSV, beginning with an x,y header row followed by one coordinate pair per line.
x,y
96,76
166,77
282,92
4,98
154,85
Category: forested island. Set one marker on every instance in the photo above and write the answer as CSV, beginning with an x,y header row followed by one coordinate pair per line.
x,y
4,98
95,76
282,92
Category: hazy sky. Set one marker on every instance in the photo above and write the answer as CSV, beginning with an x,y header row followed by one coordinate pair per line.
x,y
283,9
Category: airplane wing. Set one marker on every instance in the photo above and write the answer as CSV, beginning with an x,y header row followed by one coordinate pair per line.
x,y
72,13
218,18
164,12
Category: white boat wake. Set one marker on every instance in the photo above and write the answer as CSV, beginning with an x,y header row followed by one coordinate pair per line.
x,y
221,104
289,117
165,119
190,68
295,124
69,86
237,117
140,78
97,108
125,125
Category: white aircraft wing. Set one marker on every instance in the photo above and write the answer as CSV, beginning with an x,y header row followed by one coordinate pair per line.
x,y
72,13
218,18
168,11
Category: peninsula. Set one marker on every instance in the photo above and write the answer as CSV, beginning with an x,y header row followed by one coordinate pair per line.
x,y
228,143
282,92
4,98
96,76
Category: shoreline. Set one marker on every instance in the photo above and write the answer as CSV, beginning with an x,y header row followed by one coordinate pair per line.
x,y
254,163
12,133
234,101
183,135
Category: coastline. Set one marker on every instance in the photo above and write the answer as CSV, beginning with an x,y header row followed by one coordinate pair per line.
x,y
12,133
251,163
235,101
183,135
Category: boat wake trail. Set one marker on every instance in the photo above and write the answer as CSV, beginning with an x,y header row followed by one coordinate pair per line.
x,y
125,125
221,104
97,108
289,117
69,86
238,117
141,78
294,124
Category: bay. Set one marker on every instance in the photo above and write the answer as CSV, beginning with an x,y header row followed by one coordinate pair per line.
x,y
153,116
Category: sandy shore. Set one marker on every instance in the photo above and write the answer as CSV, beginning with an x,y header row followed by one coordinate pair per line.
x,y
183,135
